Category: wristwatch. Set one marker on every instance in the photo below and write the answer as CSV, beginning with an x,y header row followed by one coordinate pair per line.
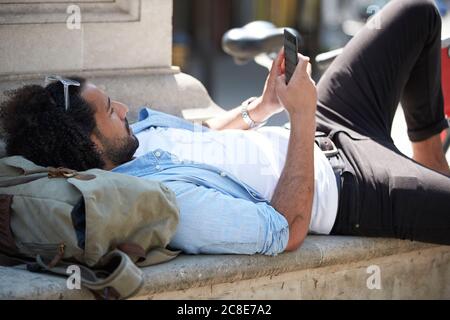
x,y
246,115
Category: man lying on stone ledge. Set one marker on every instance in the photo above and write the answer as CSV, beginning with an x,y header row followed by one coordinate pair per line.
x,y
262,191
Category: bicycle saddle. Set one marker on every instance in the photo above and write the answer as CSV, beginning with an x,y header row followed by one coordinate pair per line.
x,y
253,39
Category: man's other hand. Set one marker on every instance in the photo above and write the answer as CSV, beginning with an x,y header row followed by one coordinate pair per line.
x,y
269,99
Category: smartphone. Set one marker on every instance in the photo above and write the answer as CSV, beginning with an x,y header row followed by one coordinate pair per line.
x,y
290,53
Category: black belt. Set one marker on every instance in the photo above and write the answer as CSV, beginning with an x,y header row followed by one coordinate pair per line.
x,y
332,153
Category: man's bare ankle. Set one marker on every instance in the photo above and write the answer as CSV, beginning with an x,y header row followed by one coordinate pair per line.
x,y
430,153
439,167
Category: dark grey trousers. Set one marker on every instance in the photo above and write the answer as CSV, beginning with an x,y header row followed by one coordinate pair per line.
x,y
385,193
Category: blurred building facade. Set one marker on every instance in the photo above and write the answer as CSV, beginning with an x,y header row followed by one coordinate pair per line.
x,y
198,27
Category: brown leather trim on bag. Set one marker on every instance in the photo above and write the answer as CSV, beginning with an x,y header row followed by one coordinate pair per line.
x,y
56,259
61,173
7,243
85,177
68,173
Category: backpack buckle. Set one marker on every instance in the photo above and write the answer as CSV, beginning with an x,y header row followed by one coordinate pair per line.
x,y
61,173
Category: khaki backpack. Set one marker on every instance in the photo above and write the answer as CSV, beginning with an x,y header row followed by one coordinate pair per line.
x,y
106,223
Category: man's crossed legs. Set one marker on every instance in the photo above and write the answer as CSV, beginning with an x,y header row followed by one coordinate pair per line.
x,y
386,193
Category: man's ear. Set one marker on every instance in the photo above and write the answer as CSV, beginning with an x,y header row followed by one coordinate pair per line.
x,y
97,143
102,152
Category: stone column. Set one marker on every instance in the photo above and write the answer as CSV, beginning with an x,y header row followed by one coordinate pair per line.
x,y
123,46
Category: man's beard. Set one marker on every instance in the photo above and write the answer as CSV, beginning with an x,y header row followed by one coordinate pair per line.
x,y
120,150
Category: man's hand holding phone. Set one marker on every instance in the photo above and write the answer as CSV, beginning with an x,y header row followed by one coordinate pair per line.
x,y
276,97
299,94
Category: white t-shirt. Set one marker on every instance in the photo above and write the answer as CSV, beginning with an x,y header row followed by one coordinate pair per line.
x,y
256,158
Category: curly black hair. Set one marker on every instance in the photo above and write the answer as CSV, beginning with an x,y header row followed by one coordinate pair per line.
x,y
37,126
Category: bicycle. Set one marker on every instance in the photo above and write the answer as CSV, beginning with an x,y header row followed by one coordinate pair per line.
x,y
261,41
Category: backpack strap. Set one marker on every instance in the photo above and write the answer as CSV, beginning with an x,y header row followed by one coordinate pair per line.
x,y
7,242
152,257
119,277
14,181
10,261
157,256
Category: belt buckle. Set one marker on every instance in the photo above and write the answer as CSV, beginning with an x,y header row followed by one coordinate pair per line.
x,y
333,152
327,146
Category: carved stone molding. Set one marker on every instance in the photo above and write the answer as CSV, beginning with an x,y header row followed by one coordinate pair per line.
x,y
55,11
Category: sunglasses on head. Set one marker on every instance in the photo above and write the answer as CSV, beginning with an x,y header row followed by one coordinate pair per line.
x,y
66,83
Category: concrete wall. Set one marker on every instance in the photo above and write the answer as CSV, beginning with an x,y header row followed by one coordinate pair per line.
x,y
112,35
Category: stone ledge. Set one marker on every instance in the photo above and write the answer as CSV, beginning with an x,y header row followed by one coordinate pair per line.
x,y
176,278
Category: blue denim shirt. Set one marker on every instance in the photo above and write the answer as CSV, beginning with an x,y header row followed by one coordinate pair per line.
x,y
219,214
